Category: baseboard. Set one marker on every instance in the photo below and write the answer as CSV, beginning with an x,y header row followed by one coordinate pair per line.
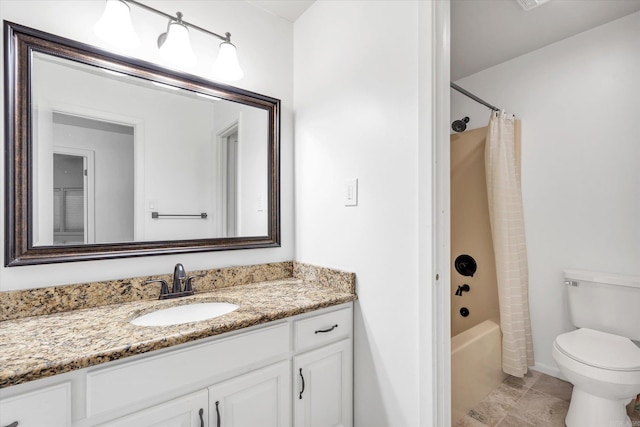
x,y
549,370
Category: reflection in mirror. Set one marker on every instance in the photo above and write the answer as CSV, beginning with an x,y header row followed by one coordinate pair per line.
x,y
90,158
125,153
196,155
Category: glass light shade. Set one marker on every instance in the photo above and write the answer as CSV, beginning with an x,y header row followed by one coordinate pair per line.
x,y
115,25
176,48
226,66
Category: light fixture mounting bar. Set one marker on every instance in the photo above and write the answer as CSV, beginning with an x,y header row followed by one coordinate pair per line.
x,y
226,37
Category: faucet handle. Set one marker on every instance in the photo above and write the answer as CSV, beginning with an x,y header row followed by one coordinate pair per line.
x,y
164,288
188,286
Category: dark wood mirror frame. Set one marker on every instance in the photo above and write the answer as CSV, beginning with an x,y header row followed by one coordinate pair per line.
x,y
20,43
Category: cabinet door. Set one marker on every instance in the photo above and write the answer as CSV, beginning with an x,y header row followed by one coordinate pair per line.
x,y
185,411
49,406
323,390
259,398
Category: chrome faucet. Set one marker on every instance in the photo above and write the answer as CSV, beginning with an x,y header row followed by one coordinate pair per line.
x,y
177,290
179,277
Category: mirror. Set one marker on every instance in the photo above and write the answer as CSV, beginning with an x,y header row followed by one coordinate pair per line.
x,y
113,157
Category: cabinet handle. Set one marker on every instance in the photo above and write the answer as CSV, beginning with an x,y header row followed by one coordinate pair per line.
x,y
218,414
301,376
322,331
201,413
13,424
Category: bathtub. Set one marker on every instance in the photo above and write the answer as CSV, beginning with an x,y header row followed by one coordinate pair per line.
x,y
476,366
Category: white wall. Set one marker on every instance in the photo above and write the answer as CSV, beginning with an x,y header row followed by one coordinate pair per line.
x,y
358,95
579,101
265,48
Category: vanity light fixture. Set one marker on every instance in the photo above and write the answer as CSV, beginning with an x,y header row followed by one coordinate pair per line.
x,y
174,45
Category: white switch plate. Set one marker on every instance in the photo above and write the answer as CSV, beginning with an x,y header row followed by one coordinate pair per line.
x,y
351,192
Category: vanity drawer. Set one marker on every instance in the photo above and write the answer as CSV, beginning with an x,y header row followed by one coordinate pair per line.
x,y
322,329
49,406
153,379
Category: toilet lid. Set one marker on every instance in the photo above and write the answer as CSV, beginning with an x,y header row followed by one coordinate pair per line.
x,y
600,349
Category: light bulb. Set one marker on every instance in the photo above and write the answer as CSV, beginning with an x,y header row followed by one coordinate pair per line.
x,y
226,66
115,25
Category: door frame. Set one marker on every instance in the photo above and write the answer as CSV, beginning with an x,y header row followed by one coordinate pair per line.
x,y
439,322
89,188
221,141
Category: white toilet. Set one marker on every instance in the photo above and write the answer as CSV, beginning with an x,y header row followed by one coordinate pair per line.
x,y
602,358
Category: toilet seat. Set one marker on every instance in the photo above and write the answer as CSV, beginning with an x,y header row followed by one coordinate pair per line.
x,y
600,350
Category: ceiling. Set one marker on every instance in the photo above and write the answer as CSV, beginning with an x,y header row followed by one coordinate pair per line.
x,y
485,33
287,9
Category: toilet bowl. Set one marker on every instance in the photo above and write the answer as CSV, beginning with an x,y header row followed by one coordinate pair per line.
x,y
604,369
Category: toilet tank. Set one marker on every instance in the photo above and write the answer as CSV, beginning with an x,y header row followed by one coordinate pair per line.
x,y
604,302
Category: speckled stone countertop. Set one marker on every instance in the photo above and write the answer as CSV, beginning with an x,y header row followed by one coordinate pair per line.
x,y
41,346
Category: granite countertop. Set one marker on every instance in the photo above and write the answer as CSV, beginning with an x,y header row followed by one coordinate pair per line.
x,y
41,346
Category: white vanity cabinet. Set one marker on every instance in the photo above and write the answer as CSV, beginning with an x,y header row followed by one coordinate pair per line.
x,y
323,375
149,380
260,398
48,406
323,396
245,378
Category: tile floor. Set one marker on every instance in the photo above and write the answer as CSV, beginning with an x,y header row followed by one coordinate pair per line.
x,y
535,400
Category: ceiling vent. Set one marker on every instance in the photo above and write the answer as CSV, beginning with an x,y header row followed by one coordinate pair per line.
x,y
530,4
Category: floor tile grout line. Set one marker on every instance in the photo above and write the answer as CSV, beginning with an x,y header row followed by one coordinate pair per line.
x,y
512,409
502,419
550,395
515,405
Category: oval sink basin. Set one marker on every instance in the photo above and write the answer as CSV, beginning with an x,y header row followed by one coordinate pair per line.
x,y
184,314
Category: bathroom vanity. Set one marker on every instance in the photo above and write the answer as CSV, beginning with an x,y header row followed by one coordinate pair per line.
x,y
283,358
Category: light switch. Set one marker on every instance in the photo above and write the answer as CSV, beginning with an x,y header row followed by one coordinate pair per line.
x,y
351,192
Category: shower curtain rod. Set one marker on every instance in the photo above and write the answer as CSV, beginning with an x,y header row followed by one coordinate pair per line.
x,y
472,96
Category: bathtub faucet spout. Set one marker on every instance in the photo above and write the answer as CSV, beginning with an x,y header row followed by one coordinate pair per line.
x,y
463,288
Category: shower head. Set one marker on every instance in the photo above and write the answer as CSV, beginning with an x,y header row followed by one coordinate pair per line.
x,y
460,125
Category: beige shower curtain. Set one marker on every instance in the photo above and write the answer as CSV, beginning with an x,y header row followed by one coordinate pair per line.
x,y
507,230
